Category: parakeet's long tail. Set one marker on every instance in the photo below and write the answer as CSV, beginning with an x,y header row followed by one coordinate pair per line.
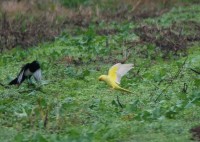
x,y
125,90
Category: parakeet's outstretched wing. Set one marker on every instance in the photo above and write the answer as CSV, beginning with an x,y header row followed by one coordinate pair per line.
x,y
37,75
112,73
117,71
122,70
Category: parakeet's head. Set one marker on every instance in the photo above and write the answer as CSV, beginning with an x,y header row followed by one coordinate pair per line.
x,y
102,77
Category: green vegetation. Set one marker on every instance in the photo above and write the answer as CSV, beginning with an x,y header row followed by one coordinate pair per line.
x,y
71,104
73,4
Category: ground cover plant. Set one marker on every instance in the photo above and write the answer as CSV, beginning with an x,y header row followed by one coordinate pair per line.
x,y
71,104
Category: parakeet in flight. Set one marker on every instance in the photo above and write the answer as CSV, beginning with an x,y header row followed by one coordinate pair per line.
x,y
27,71
115,73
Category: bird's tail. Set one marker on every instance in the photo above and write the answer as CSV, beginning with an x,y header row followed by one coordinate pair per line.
x,y
125,90
13,82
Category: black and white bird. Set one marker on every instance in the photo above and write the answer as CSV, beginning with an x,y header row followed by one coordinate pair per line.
x,y
28,70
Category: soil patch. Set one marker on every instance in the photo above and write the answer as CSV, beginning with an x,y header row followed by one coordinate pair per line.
x,y
174,38
25,32
195,133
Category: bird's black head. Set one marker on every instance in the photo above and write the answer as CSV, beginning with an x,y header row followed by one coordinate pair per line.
x,y
34,66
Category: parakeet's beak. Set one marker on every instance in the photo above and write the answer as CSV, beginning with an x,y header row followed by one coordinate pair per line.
x,y
101,78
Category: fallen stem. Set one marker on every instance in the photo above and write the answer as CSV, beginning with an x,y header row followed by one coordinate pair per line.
x,y
172,79
195,71
119,102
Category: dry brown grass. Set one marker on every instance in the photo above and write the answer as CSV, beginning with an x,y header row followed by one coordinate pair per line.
x,y
25,32
45,18
13,7
82,16
85,13
32,8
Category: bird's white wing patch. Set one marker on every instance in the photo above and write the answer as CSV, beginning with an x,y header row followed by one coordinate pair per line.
x,y
19,79
122,70
37,75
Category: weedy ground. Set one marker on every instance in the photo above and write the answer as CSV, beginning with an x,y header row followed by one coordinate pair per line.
x,y
71,104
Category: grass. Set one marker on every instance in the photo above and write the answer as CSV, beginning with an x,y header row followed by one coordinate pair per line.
x,y
72,105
